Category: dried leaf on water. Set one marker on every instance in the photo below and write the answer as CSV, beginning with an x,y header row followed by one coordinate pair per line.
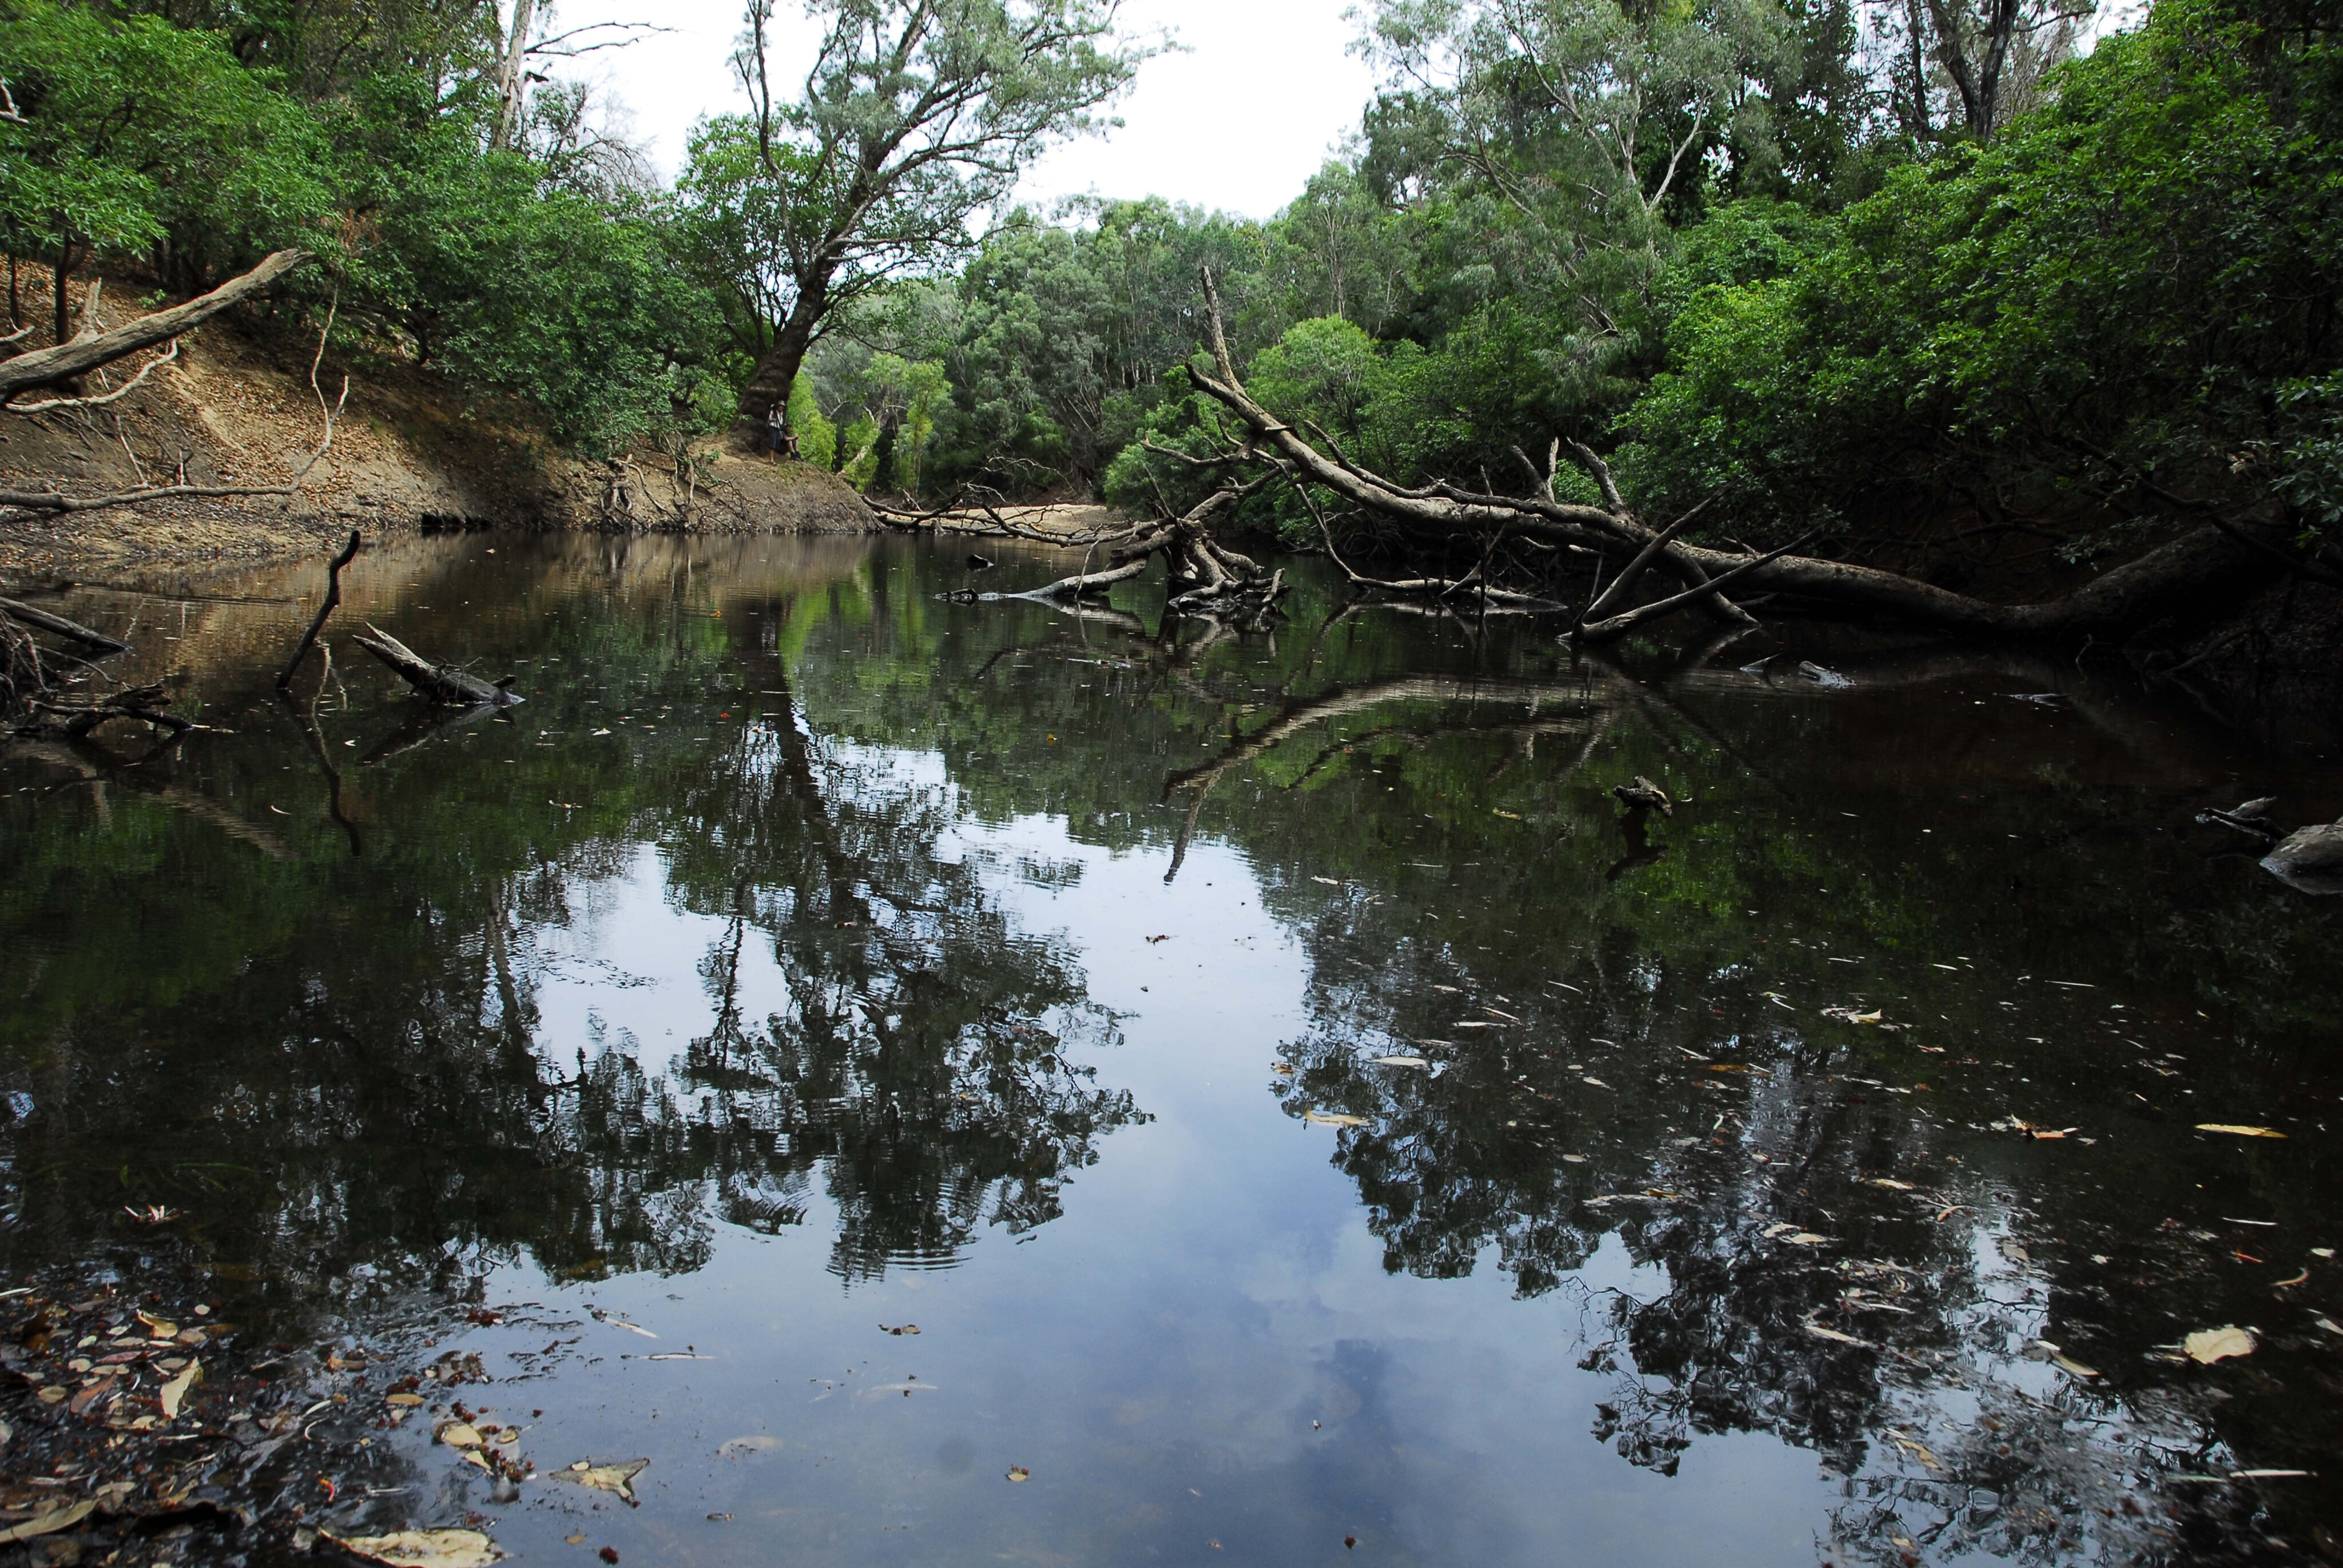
x,y
1897,1186
1019,1473
460,1434
2210,1346
1399,1062
1918,1450
422,1548
1333,1118
409,1400
2072,1366
899,1329
1835,1337
175,1391
2238,1131
51,1520
618,1478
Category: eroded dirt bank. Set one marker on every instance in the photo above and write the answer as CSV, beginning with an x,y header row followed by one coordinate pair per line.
x,y
409,453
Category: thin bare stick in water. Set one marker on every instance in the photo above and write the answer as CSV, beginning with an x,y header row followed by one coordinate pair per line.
x,y
333,597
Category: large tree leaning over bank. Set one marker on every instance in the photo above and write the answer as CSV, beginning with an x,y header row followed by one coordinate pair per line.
x,y
914,116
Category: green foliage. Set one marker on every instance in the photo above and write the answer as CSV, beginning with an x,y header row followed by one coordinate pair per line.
x,y
138,139
2122,307
817,437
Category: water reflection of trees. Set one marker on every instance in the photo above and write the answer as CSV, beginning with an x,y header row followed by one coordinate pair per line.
x,y
336,1068
1540,1065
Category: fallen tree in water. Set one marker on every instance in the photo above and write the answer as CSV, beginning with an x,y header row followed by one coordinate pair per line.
x,y
2186,573
446,684
1536,553
1204,575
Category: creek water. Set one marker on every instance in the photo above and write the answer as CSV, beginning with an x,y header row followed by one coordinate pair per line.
x,y
1305,1118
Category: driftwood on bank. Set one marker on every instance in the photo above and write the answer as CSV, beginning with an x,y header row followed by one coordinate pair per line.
x,y
90,348
445,684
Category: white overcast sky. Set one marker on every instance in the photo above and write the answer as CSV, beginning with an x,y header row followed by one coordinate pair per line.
x,y
1264,92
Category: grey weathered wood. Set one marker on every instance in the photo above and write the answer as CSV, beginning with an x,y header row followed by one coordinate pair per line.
x,y
71,630
442,683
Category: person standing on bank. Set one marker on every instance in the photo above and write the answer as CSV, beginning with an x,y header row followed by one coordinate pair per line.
x,y
776,430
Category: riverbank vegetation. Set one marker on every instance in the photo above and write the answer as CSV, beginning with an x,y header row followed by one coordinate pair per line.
x,y
1911,289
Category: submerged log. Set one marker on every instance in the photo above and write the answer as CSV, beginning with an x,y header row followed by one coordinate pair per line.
x,y
2309,859
57,624
442,683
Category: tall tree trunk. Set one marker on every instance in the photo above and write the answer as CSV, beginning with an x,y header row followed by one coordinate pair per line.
x,y
776,372
509,77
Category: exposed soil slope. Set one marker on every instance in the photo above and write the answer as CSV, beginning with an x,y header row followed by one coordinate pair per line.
x,y
410,451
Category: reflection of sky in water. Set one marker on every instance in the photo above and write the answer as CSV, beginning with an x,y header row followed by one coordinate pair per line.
x,y
1208,1335
1156,1357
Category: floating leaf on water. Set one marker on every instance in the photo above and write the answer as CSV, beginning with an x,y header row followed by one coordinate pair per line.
x,y
1594,1082
1806,1239
50,1520
1019,1473
618,1478
1896,1186
1918,1450
2330,1325
1573,1159
1509,815
1779,1228
409,1400
422,1548
2282,1284
1835,1337
459,1434
55,1394
899,1329
175,1391
508,1437
2210,1346
2072,1366
2239,1131
1399,1062
1333,1118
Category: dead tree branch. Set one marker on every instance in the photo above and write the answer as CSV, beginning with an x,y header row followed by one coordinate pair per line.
x,y
333,597
90,347
2177,577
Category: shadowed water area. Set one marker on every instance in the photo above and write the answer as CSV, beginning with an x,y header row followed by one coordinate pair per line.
x,y
1306,1119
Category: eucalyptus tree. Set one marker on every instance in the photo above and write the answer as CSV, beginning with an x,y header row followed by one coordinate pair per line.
x,y
914,117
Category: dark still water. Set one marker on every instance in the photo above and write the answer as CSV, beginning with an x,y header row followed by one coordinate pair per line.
x,y
1306,1119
